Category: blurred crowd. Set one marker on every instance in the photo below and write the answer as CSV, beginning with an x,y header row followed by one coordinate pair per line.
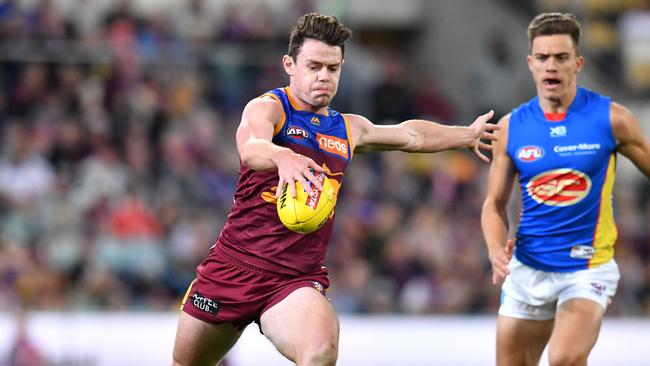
x,y
118,166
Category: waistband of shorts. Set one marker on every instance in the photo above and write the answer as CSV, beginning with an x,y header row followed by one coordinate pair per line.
x,y
226,253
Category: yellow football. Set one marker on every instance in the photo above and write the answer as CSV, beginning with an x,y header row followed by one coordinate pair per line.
x,y
307,213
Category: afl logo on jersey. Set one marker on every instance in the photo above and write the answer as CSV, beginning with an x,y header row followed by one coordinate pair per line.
x,y
559,187
528,154
297,132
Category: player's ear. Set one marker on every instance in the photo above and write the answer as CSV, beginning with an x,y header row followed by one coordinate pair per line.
x,y
529,60
580,61
288,64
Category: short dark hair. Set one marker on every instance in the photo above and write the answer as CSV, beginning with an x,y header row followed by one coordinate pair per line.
x,y
547,24
320,27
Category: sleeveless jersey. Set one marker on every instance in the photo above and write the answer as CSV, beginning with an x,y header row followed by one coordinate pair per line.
x,y
253,233
566,175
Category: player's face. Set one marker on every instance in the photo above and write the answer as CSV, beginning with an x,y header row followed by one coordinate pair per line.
x,y
554,65
315,73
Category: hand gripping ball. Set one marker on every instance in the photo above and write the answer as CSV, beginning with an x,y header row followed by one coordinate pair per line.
x,y
307,213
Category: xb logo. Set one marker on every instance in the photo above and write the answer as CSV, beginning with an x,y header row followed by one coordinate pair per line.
x,y
558,131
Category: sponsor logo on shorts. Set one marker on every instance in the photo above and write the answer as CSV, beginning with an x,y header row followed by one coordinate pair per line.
x,y
528,154
559,187
598,288
203,303
333,144
318,286
297,132
582,251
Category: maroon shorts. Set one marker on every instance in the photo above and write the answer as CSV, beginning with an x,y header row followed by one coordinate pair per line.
x,y
227,290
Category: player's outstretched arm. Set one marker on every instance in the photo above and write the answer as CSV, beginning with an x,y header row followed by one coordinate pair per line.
x,y
629,136
494,216
422,136
258,152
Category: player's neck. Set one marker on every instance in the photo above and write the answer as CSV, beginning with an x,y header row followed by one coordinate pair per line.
x,y
558,105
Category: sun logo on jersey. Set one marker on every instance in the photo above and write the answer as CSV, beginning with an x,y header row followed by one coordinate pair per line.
x,y
559,187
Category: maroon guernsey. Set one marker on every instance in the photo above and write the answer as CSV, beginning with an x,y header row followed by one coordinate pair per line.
x,y
253,233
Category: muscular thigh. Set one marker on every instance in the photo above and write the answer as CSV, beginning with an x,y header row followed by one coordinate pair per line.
x,y
199,343
577,325
302,320
521,341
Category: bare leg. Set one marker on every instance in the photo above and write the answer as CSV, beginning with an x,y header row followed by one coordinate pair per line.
x,y
304,328
199,343
576,331
520,342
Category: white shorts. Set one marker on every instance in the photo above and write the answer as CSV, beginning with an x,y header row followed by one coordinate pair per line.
x,y
528,293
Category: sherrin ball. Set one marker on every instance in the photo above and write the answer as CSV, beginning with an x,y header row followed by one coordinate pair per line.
x,y
307,213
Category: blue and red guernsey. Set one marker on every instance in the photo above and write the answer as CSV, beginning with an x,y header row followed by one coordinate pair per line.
x,y
253,232
566,175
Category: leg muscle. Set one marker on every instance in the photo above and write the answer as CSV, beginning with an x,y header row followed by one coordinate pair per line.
x,y
521,341
199,343
576,331
304,328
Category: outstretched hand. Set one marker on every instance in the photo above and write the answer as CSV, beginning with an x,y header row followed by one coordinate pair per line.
x,y
483,131
500,261
292,168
